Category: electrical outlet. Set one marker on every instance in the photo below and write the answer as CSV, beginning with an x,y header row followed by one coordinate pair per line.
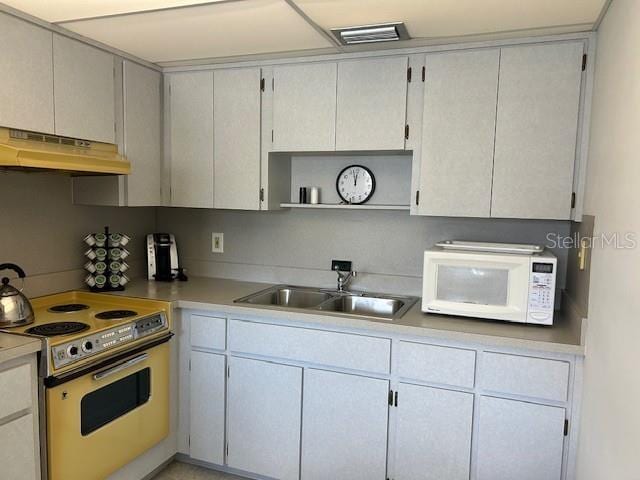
x,y
217,242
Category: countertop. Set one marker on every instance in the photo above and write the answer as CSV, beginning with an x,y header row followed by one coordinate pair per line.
x,y
565,336
14,346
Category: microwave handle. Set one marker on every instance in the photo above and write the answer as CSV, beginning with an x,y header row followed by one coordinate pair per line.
x,y
121,366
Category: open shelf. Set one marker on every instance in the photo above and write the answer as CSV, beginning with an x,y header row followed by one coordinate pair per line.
x,y
345,207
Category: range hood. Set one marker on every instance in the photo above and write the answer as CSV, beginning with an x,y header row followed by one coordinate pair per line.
x,y
23,150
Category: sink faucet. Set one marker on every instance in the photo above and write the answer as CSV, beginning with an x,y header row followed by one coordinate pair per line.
x,y
345,274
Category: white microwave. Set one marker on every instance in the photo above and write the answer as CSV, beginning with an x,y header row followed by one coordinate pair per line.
x,y
516,287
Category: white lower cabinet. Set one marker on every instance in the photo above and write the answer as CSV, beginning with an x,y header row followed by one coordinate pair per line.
x,y
207,409
17,455
264,413
433,436
519,440
344,426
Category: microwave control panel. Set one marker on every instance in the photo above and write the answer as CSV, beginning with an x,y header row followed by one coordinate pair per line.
x,y
542,287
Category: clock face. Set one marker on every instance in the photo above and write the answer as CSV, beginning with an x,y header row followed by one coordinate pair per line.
x,y
355,184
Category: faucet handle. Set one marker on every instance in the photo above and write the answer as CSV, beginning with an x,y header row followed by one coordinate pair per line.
x,y
341,265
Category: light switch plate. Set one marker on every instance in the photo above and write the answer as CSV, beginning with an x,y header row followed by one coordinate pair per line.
x,y
217,242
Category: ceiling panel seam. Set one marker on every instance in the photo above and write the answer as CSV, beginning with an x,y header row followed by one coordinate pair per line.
x,y
314,25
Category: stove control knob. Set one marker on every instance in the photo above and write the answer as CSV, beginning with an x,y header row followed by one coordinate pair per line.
x,y
87,346
72,350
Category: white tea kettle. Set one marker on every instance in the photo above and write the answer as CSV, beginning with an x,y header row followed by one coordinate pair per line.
x,y
15,308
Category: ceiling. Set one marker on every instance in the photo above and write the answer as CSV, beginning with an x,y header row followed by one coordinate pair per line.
x,y
164,31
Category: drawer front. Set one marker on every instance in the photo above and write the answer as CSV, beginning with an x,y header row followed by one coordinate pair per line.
x,y
208,332
529,376
433,363
18,453
18,382
342,350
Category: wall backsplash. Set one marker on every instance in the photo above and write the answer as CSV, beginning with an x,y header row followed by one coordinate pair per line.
x,y
42,231
295,246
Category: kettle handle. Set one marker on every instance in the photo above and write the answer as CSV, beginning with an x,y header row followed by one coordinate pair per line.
x,y
15,268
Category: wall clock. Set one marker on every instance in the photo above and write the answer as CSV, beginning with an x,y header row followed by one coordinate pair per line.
x,y
355,184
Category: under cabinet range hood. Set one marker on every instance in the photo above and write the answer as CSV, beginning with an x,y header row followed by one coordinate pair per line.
x,y
24,150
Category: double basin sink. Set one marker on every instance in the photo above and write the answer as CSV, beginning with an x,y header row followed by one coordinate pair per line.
x,y
388,307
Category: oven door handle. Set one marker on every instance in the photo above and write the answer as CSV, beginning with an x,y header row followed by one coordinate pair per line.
x,y
121,366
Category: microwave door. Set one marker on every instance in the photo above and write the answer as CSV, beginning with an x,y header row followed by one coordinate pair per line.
x,y
488,287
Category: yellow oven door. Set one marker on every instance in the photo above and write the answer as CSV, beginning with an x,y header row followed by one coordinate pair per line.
x,y
100,421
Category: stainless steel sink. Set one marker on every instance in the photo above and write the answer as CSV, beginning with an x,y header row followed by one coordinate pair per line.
x,y
361,305
293,297
387,307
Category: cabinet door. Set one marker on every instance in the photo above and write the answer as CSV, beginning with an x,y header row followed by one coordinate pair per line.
x,y
433,439
142,134
18,453
304,107
536,128
458,132
206,431
344,427
191,139
372,104
26,86
264,402
236,109
84,93
519,440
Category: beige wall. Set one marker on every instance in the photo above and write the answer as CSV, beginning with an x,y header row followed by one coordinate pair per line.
x,y
297,246
42,231
610,433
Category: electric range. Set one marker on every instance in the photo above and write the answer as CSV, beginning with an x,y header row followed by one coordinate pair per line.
x,y
104,380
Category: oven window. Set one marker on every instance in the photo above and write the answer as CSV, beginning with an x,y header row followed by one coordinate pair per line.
x,y
114,400
476,285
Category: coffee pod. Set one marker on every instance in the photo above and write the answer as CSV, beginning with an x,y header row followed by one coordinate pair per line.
x,y
124,280
101,267
114,280
115,239
101,281
115,254
124,240
89,280
100,239
101,253
90,267
90,254
90,240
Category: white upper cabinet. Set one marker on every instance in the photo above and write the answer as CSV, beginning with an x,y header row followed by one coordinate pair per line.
x,y
190,133
344,426
143,134
236,109
264,410
537,120
304,107
458,132
519,440
26,82
433,437
84,93
372,104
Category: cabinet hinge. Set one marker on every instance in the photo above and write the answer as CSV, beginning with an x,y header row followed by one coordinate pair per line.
x,y
227,449
409,74
424,73
566,427
262,84
273,84
584,62
189,440
228,371
262,194
417,197
406,132
189,364
390,399
395,399
271,135
573,199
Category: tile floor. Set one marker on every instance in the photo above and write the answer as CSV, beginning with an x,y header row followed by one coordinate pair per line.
x,y
184,471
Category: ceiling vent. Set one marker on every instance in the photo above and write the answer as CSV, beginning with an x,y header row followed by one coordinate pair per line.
x,y
383,32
